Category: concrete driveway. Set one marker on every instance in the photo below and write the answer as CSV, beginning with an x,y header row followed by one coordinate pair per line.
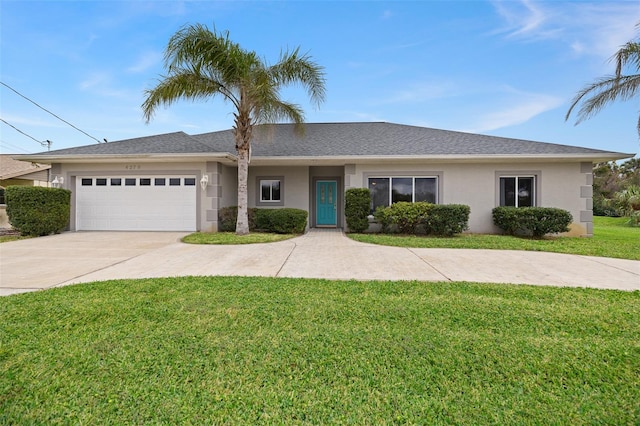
x,y
77,257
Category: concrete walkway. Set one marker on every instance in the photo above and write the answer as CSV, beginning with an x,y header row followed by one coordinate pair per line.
x,y
79,257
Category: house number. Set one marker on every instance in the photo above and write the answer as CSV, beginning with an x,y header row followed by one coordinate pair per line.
x,y
132,167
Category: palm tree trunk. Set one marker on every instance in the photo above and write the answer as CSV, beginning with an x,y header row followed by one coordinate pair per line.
x,y
243,142
242,223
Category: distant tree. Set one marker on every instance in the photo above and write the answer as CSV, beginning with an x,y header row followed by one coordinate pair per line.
x,y
619,86
204,64
609,180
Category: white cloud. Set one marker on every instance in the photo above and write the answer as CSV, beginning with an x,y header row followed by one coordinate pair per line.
x,y
587,28
420,92
523,19
29,121
515,108
101,83
145,61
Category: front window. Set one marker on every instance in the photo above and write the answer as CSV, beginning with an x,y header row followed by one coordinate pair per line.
x,y
269,190
517,191
388,190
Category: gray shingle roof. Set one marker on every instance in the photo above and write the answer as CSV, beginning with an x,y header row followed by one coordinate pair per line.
x,y
168,143
380,139
333,140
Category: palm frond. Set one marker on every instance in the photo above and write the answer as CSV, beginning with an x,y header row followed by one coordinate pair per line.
x,y
608,89
628,55
605,90
295,68
180,85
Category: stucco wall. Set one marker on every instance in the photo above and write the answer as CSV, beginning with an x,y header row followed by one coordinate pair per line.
x,y
296,185
561,185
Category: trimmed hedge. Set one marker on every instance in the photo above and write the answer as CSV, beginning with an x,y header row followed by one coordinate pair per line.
x,y
36,210
533,221
407,216
447,219
279,221
228,216
284,221
356,210
433,219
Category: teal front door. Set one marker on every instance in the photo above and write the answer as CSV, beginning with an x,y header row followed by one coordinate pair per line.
x,y
326,203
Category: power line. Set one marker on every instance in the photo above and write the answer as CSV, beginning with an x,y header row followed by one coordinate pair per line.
x,y
47,143
16,147
43,108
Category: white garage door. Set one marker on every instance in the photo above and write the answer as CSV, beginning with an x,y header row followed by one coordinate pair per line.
x,y
128,203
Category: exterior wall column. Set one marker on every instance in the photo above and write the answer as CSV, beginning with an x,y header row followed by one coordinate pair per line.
x,y
586,196
212,197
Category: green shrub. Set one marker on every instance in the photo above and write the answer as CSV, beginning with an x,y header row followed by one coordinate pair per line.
x,y
36,210
507,219
404,215
603,206
534,221
447,219
356,210
280,221
283,221
407,216
382,215
261,220
228,216
434,219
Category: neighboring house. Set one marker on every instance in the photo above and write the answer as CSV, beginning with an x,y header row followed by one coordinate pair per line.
x,y
14,172
179,182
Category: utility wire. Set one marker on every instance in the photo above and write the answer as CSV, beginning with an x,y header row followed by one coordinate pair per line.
x,y
7,144
43,108
47,143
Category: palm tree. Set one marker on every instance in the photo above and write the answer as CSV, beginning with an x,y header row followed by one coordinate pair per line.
x,y
610,88
203,64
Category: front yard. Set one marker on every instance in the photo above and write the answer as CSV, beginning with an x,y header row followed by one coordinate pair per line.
x,y
612,238
287,351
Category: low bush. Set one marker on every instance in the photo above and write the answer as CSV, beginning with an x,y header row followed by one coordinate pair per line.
x,y
286,221
382,215
279,221
36,210
407,216
433,219
228,216
533,221
447,219
356,210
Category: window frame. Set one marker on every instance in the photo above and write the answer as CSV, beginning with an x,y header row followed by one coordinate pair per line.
x,y
269,203
413,176
535,187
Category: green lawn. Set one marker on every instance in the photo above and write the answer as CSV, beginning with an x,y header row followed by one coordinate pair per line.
x,y
286,351
232,238
612,238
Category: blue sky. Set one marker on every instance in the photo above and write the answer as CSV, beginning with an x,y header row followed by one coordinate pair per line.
x,y
504,68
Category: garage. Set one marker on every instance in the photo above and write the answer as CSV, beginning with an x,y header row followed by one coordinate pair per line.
x,y
136,203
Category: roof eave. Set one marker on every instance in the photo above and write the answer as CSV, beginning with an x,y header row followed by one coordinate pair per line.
x,y
223,157
450,158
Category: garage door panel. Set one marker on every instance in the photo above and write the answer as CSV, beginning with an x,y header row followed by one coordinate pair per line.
x,y
153,207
